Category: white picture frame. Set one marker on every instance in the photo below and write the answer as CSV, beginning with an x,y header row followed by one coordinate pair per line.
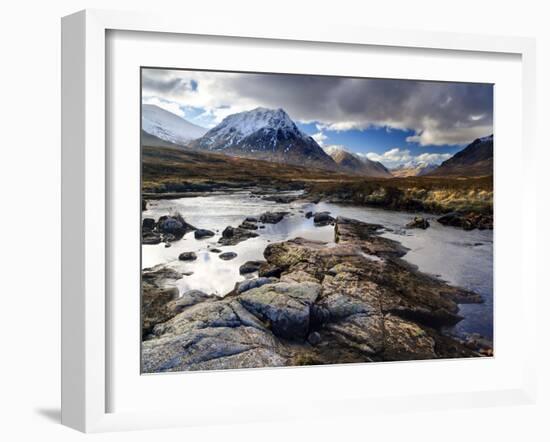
x,y
85,236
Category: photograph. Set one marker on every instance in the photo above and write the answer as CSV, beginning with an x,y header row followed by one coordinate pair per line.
x,y
302,219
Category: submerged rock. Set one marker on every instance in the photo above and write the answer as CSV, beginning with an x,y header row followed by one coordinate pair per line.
x,y
226,256
418,223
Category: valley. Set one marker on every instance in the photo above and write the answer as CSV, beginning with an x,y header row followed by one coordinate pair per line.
x,y
263,246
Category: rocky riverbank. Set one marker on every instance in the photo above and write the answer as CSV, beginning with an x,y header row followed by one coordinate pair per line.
x,y
465,203
355,301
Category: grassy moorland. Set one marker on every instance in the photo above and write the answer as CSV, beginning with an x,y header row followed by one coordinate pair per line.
x,y
428,194
169,172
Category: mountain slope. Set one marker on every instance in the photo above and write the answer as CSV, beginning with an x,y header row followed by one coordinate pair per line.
x,y
476,159
350,163
264,134
168,126
413,170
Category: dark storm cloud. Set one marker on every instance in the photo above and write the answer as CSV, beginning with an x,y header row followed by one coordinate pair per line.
x,y
438,113
430,109
154,82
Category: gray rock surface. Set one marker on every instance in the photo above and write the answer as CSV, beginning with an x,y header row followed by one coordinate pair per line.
x,y
234,235
355,301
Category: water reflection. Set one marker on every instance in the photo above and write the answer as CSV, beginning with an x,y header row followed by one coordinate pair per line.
x,y
459,257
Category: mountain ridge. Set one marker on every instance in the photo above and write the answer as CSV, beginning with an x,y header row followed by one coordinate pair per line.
x,y
168,126
476,159
266,134
351,163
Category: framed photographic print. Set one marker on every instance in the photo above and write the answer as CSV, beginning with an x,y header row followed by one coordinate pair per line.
x,y
249,214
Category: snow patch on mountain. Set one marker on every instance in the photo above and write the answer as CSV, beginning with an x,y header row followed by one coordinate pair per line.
x,y
168,126
236,127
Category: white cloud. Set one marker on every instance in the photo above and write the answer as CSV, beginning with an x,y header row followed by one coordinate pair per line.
x,y
320,138
397,157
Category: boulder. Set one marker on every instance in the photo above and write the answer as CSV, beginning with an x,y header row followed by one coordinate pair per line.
x,y
187,256
175,225
309,214
203,233
226,256
250,267
149,237
322,219
272,217
248,225
148,224
418,223
269,270
234,235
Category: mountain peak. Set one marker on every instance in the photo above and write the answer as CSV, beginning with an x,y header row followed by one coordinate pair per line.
x,y
268,134
476,159
355,164
245,123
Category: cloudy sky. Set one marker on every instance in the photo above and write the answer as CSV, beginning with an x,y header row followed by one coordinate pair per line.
x,y
397,122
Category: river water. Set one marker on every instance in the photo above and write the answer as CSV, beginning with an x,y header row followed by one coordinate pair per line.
x,y
459,257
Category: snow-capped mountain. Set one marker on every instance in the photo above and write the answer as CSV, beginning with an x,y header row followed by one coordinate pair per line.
x,y
348,162
168,126
476,159
266,134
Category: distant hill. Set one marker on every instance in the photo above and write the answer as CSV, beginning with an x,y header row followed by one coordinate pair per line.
x,y
264,134
168,126
476,159
348,162
151,140
415,170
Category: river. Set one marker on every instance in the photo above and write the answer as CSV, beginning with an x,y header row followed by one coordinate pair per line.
x,y
462,258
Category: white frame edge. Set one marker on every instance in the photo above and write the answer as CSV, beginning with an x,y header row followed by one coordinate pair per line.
x,y
84,196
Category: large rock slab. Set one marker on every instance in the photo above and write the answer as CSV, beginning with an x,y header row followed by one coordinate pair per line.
x,y
285,306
